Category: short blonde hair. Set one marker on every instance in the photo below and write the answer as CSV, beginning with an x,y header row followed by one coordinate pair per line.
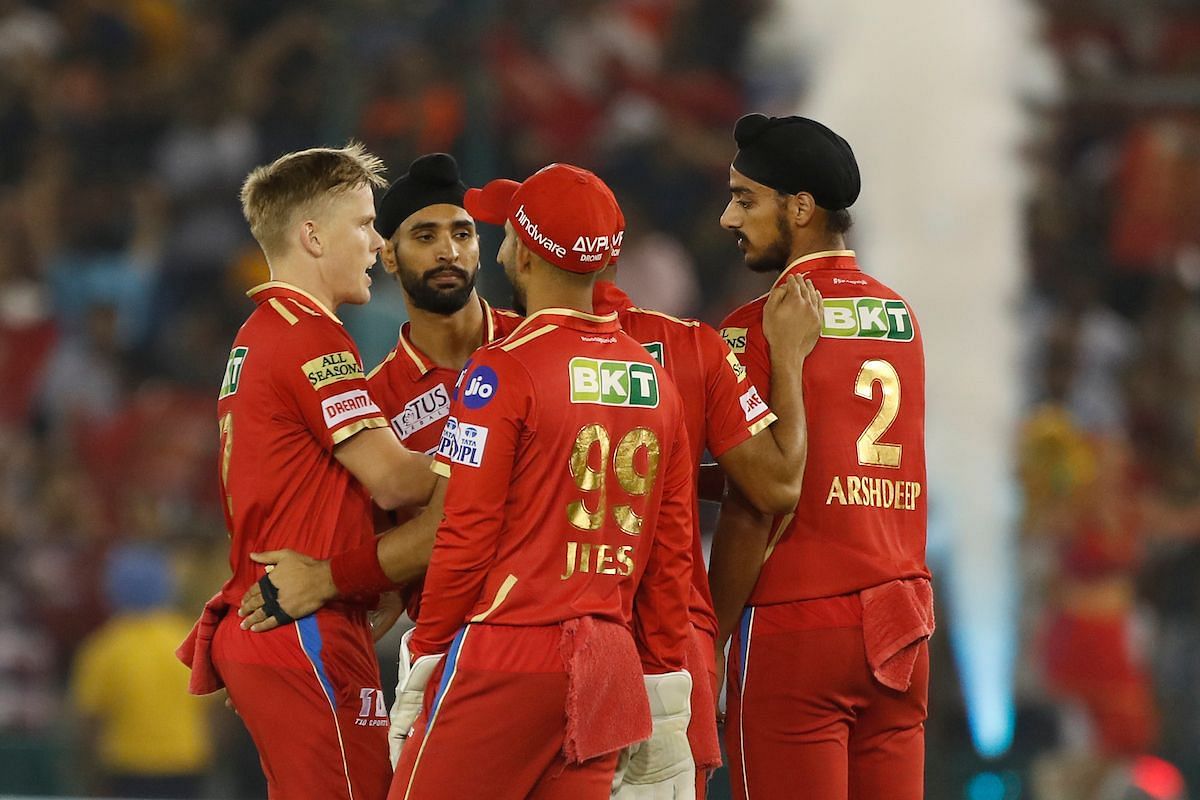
x,y
273,194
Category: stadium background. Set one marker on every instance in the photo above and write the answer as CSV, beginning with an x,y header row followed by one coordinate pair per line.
x,y
1031,183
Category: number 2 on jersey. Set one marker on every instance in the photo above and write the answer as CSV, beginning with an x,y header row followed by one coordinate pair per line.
x,y
629,478
871,452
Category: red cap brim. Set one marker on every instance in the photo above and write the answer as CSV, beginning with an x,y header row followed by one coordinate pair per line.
x,y
491,203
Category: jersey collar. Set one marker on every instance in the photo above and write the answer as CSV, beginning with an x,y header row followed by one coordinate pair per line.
x,y
265,291
421,362
826,259
608,297
568,318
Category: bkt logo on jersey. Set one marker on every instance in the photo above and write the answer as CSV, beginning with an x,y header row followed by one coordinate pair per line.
x,y
233,372
480,387
867,318
613,383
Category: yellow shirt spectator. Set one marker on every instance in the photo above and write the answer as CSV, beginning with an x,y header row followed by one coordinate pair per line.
x,y
129,682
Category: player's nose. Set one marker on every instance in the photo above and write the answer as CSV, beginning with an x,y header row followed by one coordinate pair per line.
x,y
730,219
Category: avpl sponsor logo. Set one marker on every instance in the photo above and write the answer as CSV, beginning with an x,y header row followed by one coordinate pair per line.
x,y
752,404
347,405
613,383
867,318
422,410
372,713
233,371
593,248
463,443
481,387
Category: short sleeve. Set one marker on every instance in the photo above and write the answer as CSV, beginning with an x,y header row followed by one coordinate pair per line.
x,y
321,370
734,410
749,346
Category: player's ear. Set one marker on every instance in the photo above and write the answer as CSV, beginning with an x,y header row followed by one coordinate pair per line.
x,y
388,256
801,208
310,241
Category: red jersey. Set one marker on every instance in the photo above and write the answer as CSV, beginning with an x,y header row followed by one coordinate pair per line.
x,y
294,388
861,517
724,408
414,392
570,490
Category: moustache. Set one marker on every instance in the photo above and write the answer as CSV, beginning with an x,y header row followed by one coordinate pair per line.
x,y
441,271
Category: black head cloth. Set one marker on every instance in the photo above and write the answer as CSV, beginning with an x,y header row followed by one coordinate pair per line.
x,y
797,154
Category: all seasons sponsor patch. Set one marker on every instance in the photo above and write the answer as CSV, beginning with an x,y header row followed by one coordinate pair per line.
x,y
331,368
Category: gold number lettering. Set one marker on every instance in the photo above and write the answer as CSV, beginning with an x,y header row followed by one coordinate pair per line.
x,y
226,425
871,452
588,479
630,479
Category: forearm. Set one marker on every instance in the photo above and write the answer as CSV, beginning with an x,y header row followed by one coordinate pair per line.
x,y
790,430
738,550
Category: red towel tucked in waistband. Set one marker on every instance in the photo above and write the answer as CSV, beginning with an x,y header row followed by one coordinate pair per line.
x,y
897,617
702,732
196,650
607,707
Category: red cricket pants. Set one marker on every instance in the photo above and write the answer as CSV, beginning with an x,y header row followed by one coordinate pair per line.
x,y
494,722
807,719
310,696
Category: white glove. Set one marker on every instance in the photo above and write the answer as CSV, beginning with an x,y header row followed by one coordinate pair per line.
x,y
661,768
410,695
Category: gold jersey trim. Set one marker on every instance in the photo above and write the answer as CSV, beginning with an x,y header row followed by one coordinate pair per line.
x,y
501,596
529,337
379,366
783,276
691,323
285,285
342,434
291,318
762,424
567,312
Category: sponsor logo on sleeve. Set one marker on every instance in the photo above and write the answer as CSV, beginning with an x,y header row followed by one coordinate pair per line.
x,y
462,373
463,443
739,370
481,386
233,372
752,405
347,405
735,338
331,368
613,383
655,349
867,318
423,410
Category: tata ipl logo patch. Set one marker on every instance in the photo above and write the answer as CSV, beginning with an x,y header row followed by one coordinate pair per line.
x,y
613,383
867,318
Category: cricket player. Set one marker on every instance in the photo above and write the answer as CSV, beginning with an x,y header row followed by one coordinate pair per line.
x,y
829,607
560,572
763,456
304,451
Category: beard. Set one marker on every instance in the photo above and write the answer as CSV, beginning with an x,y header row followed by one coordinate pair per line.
x,y
774,257
519,301
438,301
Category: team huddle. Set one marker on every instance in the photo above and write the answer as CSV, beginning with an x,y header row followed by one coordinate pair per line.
x,y
525,485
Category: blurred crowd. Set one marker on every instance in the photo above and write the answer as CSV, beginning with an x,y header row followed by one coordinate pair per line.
x,y
128,125
1110,445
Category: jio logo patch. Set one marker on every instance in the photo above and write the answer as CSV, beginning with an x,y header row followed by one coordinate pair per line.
x,y
480,387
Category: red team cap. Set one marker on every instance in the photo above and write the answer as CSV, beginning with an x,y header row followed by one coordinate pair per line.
x,y
564,214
